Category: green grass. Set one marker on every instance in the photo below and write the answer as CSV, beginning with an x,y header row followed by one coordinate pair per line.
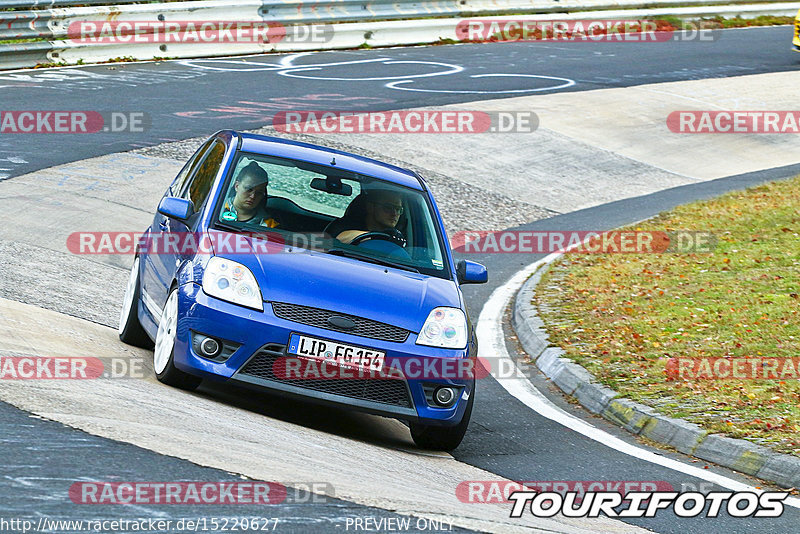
x,y
17,41
764,20
623,316
722,22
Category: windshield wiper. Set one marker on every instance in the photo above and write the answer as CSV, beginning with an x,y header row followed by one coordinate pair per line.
x,y
371,259
246,229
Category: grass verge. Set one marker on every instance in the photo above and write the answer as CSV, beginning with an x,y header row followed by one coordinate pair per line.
x,y
623,316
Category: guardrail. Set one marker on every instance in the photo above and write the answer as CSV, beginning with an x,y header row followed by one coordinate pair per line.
x,y
33,4
53,22
353,22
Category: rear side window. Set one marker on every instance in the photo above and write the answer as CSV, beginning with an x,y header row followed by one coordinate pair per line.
x,y
200,185
179,184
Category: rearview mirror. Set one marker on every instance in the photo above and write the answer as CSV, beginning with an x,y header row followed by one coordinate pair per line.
x,y
176,208
332,184
470,272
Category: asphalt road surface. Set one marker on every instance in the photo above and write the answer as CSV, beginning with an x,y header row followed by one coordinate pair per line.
x,y
40,459
183,99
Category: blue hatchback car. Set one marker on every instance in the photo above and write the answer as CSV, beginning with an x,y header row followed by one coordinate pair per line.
x,y
311,272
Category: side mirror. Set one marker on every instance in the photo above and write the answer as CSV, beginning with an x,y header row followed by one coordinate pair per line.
x,y
176,208
470,272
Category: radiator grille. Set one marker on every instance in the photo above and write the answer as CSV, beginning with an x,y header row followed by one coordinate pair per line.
x,y
389,391
319,318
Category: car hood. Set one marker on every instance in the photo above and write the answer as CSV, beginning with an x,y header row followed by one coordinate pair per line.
x,y
353,287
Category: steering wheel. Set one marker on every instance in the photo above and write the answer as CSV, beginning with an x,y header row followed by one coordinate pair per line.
x,y
392,235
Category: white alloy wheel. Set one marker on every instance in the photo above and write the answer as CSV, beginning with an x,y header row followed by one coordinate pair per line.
x,y
167,331
130,291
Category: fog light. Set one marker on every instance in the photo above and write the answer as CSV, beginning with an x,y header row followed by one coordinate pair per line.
x,y
444,396
213,348
209,347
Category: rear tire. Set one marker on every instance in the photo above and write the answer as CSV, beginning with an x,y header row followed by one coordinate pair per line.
x,y
442,438
130,329
164,352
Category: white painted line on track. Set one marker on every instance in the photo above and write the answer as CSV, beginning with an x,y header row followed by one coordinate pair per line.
x,y
491,344
567,83
452,69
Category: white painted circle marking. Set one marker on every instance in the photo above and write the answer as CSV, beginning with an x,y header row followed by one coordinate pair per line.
x,y
567,83
242,66
453,69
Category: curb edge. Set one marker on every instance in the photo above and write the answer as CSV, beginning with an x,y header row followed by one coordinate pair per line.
x,y
688,438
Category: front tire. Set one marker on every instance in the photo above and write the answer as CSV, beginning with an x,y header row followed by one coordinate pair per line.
x,y
443,438
130,329
164,352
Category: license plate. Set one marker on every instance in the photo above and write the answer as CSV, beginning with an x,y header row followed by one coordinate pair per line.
x,y
336,353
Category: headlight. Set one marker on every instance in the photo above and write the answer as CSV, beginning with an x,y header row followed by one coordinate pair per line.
x,y
445,327
232,281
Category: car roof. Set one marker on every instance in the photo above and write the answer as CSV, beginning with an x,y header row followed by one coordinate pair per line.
x,y
274,146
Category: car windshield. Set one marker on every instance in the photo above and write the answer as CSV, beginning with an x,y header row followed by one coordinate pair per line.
x,y
340,212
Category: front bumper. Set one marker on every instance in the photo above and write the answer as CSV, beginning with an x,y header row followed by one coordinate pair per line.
x,y
262,336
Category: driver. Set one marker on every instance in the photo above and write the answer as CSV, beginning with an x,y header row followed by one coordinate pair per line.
x,y
248,202
383,209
